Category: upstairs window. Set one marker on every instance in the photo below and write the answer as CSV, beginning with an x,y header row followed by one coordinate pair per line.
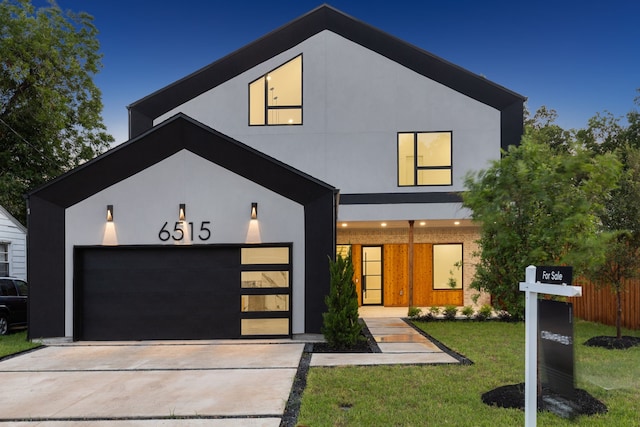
x,y
276,97
424,158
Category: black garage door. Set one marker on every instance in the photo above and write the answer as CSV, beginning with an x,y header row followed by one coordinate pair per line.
x,y
182,292
138,293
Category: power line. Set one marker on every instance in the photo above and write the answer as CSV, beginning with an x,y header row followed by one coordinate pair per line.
x,y
42,153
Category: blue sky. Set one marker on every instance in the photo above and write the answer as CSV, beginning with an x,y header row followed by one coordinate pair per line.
x,y
578,57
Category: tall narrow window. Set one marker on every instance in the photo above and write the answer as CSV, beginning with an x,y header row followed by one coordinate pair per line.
x,y
424,158
276,97
4,259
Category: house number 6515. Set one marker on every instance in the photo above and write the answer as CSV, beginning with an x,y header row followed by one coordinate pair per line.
x,y
179,230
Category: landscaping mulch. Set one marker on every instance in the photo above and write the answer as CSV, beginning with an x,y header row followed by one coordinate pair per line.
x,y
512,396
613,343
366,344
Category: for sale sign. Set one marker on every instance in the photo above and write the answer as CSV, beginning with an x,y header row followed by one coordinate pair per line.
x,y
555,327
554,275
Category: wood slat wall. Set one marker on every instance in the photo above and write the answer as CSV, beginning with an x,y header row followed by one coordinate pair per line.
x,y
396,272
422,274
395,276
598,304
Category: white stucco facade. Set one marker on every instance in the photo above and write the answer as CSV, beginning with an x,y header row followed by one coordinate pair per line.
x,y
355,101
214,196
373,121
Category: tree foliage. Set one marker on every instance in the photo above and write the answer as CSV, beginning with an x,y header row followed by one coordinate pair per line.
x,y
50,108
537,205
621,216
341,328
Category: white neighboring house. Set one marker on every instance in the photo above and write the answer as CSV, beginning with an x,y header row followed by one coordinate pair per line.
x,y
13,246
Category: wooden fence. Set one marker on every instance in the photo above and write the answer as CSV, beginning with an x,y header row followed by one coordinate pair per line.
x,y
598,304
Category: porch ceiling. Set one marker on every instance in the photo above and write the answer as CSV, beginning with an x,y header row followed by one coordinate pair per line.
x,y
440,223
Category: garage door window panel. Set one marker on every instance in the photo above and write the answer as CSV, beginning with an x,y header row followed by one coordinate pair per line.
x,y
265,279
253,327
264,255
259,303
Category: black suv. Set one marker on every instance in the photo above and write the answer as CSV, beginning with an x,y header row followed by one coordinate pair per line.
x,y
13,303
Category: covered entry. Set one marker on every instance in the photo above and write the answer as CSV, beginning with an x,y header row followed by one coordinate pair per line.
x,y
180,292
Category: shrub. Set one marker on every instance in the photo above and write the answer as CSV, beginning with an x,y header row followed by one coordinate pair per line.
x,y
340,325
450,312
484,313
467,311
414,312
433,312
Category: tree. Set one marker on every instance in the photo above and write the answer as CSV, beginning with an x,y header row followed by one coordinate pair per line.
x,y
340,326
621,216
543,129
50,108
536,205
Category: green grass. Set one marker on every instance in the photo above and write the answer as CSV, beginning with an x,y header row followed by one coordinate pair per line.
x,y
450,395
15,343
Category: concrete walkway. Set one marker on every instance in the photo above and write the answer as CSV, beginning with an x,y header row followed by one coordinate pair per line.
x,y
399,343
189,383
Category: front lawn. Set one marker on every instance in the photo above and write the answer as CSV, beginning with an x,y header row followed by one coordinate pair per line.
x,y
450,395
15,343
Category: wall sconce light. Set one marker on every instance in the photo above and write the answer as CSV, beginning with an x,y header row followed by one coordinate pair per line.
x,y
109,213
254,210
182,212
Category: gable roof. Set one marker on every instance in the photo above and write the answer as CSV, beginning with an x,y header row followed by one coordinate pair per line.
x,y
178,133
144,111
11,218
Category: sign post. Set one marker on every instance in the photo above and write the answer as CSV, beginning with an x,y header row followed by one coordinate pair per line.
x,y
553,285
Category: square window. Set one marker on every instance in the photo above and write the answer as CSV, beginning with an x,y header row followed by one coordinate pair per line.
x,y
424,158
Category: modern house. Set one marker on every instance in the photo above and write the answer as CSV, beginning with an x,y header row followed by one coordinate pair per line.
x,y
13,246
217,218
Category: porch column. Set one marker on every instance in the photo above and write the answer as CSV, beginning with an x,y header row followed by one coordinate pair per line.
x,y
411,263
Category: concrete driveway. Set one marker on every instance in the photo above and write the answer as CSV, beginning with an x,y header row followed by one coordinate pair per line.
x,y
149,384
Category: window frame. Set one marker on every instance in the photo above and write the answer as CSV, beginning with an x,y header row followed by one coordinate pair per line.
x,y
265,103
459,286
279,261
5,259
417,168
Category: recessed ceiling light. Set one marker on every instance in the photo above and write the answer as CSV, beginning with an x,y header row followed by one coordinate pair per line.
x,y
456,223
423,223
384,224
344,224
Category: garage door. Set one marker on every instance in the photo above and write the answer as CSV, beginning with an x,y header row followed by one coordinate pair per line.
x,y
179,292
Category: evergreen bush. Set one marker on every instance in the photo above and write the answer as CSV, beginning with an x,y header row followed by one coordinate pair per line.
x,y
340,326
